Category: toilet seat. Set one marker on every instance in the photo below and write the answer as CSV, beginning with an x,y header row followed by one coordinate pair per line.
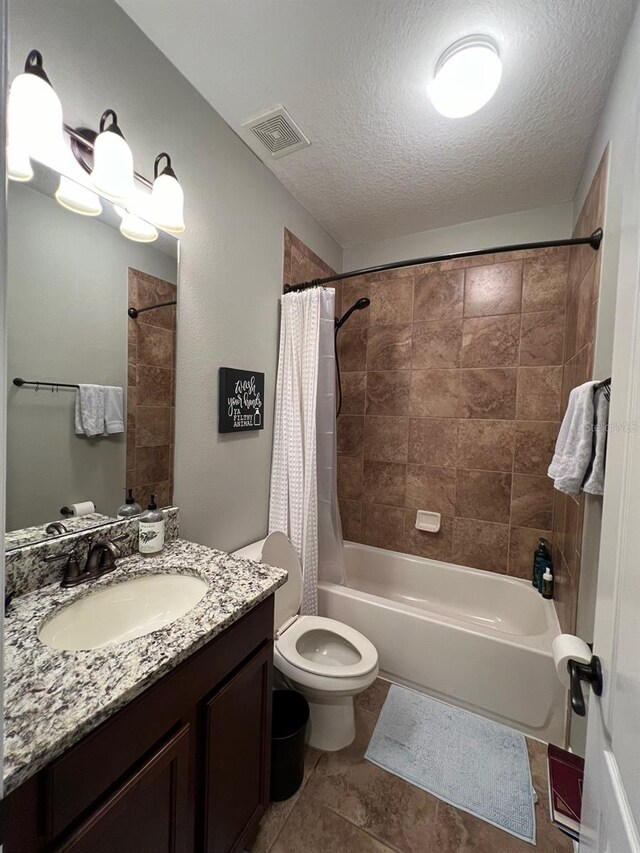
x,y
335,641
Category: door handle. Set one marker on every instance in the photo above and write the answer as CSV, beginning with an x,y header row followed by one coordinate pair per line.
x,y
591,673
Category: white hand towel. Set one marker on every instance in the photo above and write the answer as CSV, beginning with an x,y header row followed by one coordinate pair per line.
x,y
113,409
594,481
90,410
574,447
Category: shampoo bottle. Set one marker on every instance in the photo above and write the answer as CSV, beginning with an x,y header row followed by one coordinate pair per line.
x,y
541,556
151,531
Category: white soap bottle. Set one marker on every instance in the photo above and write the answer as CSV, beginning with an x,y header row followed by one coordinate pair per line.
x,y
151,530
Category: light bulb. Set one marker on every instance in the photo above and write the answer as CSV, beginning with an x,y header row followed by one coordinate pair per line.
x,y
467,76
79,199
35,126
167,198
112,173
133,227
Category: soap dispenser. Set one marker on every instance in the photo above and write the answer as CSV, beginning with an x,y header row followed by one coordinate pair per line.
x,y
129,508
151,530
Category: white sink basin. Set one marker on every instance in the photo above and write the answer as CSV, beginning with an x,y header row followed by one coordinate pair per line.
x,y
122,612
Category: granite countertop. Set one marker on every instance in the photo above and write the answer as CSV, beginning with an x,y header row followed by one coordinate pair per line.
x,y
53,698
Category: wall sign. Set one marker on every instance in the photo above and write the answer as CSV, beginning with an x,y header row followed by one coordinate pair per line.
x,y
241,400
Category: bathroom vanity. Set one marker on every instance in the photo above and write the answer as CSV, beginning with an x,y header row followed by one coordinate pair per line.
x,y
160,743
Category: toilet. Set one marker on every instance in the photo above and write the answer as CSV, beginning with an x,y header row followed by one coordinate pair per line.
x,y
325,660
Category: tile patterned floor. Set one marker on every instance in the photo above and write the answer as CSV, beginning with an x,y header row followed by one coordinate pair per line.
x,y
347,805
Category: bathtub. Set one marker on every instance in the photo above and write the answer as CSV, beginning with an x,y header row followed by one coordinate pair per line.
x,y
474,639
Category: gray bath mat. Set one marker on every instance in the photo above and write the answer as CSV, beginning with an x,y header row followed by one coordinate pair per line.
x,y
468,761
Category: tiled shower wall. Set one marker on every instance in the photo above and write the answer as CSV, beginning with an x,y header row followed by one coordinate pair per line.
x,y
151,390
583,290
452,398
300,263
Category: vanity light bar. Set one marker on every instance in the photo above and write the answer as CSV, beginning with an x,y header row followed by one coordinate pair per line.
x,y
35,130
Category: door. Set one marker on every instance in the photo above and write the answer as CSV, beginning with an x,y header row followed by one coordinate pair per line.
x,y
147,813
611,803
238,733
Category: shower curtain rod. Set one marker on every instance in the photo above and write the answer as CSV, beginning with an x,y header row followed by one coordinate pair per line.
x,y
594,241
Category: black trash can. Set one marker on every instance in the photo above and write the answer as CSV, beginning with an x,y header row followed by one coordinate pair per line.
x,y
288,729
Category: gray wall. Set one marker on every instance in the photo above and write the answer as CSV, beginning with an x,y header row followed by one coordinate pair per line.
x,y
526,226
67,322
231,254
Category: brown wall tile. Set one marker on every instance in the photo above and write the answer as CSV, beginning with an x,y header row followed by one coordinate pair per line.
x,y
436,344
383,526
494,289
539,393
384,482
486,444
352,290
544,282
542,338
352,348
389,347
434,393
350,435
388,393
153,426
489,393
433,441
350,478
155,345
483,495
391,301
531,501
431,489
491,341
535,445
154,386
480,544
354,391
438,295
351,517
386,439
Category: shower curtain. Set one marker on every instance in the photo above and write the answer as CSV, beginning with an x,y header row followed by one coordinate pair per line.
x,y
304,495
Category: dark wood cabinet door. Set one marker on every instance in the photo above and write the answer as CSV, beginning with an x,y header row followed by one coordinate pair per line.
x,y
147,813
238,741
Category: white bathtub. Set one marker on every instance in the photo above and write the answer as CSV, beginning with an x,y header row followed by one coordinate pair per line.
x,y
475,639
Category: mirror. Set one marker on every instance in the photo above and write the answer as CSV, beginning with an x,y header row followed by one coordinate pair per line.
x,y
71,281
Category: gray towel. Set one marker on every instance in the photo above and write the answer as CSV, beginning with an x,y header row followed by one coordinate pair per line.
x,y
594,481
90,410
574,447
113,409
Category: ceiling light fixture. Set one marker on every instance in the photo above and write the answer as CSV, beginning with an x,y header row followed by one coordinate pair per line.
x,y
466,77
112,173
167,197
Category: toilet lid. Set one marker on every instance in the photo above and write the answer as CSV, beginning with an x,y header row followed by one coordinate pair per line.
x,y
278,551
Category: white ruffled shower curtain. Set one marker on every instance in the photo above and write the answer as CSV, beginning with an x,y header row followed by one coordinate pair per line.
x,y
304,496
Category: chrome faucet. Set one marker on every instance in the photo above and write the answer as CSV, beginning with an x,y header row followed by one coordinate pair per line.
x,y
101,559
56,528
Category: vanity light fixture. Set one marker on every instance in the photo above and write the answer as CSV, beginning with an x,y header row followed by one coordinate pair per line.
x,y
112,173
167,197
35,124
467,76
134,227
73,195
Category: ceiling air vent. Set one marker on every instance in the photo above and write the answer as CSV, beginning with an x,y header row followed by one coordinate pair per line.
x,y
277,131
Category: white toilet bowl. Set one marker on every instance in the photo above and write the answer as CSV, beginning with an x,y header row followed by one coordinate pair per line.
x,y
327,661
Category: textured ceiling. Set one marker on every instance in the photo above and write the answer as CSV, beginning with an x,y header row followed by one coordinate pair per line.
x,y
352,73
